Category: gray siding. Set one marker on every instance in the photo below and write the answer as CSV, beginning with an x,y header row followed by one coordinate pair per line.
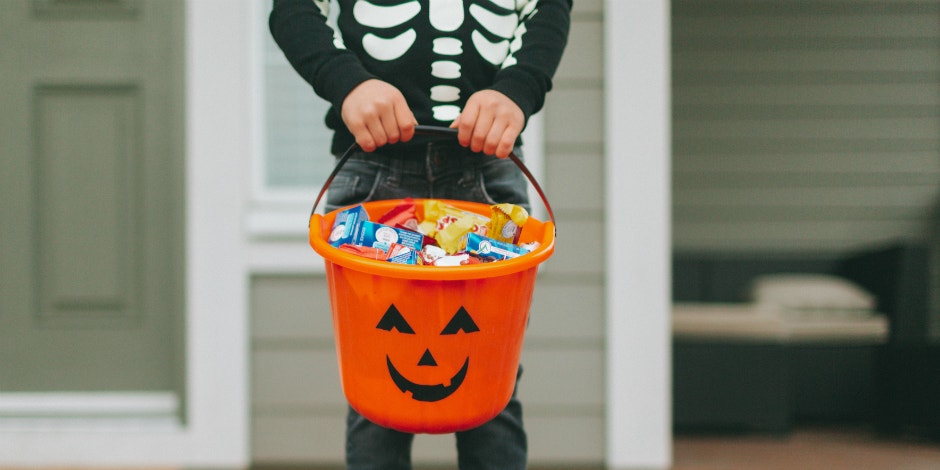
x,y
297,406
804,123
563,386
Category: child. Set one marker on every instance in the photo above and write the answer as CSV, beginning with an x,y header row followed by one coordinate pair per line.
x,y
479,66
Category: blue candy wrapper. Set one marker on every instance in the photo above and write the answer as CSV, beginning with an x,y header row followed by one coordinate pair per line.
x,y
383,236
490,249
347,225
402,254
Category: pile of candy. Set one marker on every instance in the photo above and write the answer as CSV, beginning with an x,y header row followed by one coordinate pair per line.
x,y
433,233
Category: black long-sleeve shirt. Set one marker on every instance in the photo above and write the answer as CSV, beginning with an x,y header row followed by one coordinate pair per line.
x,y
437,53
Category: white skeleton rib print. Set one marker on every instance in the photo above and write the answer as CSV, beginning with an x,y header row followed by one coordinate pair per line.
x,y
503,19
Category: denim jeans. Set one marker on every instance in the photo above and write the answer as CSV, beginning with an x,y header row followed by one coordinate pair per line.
x,y
441,170
497,444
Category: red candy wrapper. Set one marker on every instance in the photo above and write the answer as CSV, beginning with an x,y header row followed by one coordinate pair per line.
x,y
403,216
365,251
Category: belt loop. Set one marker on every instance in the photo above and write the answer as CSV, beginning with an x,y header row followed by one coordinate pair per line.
x,y
430,160
433,153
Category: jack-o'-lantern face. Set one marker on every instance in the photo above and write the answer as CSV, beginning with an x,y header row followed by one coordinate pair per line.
x,y
425,388
429,356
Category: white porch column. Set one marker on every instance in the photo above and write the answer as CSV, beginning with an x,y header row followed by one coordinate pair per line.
x,y
638,156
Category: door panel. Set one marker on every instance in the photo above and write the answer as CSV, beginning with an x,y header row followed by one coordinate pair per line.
x,y
91,206
84,183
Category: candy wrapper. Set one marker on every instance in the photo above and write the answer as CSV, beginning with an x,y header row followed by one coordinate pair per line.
x,y
365,251
432,253
402,254
382,236
396,253
403,216
460,259
436,256
347,224
449,225
506,222
493,250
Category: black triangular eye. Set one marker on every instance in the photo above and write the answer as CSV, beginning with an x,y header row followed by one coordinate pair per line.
x,y
461,321
393,320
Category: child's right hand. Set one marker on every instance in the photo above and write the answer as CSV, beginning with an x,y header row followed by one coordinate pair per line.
x,y
377,114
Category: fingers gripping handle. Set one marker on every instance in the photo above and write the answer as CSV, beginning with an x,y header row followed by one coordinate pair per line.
x,y
435,131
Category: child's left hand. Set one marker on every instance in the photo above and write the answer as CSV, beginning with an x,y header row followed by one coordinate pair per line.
x,y
490,123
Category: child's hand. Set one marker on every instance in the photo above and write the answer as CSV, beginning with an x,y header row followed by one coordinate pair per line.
x,y
490,123
377,114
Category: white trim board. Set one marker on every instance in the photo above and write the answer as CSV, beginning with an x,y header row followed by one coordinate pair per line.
x,y
88,404
89,412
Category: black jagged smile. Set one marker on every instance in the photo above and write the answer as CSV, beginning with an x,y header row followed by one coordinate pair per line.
x,y
427,392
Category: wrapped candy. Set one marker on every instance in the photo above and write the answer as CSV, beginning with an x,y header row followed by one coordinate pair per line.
x,y
347,224
364,251
506,222
449,225
493,250
447,235
403,216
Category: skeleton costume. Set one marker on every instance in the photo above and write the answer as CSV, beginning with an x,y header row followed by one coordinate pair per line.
x,y
436,52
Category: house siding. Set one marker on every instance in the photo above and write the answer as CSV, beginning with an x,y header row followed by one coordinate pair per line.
x,y
804,124
807,125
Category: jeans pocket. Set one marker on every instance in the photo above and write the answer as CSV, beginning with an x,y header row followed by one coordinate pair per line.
x,y
502,181
355,183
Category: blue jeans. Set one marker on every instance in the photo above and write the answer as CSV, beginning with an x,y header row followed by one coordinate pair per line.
x,y
441,170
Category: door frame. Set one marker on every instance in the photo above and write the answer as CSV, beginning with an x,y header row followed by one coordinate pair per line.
x,y
214,433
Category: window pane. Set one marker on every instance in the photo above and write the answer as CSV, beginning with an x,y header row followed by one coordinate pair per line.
x,y
297,146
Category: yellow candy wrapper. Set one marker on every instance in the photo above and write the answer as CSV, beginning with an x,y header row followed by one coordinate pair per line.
x,y
506,222
449,225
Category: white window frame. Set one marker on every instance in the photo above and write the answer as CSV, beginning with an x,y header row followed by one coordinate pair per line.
x,y
274,218
273,212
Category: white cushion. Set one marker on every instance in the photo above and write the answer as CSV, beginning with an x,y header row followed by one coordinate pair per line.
x,y
811,292
750,322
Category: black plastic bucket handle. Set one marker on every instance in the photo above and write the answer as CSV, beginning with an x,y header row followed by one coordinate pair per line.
x,y
435,131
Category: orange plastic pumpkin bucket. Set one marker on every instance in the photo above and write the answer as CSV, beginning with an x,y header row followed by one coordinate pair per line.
x,y
428,349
